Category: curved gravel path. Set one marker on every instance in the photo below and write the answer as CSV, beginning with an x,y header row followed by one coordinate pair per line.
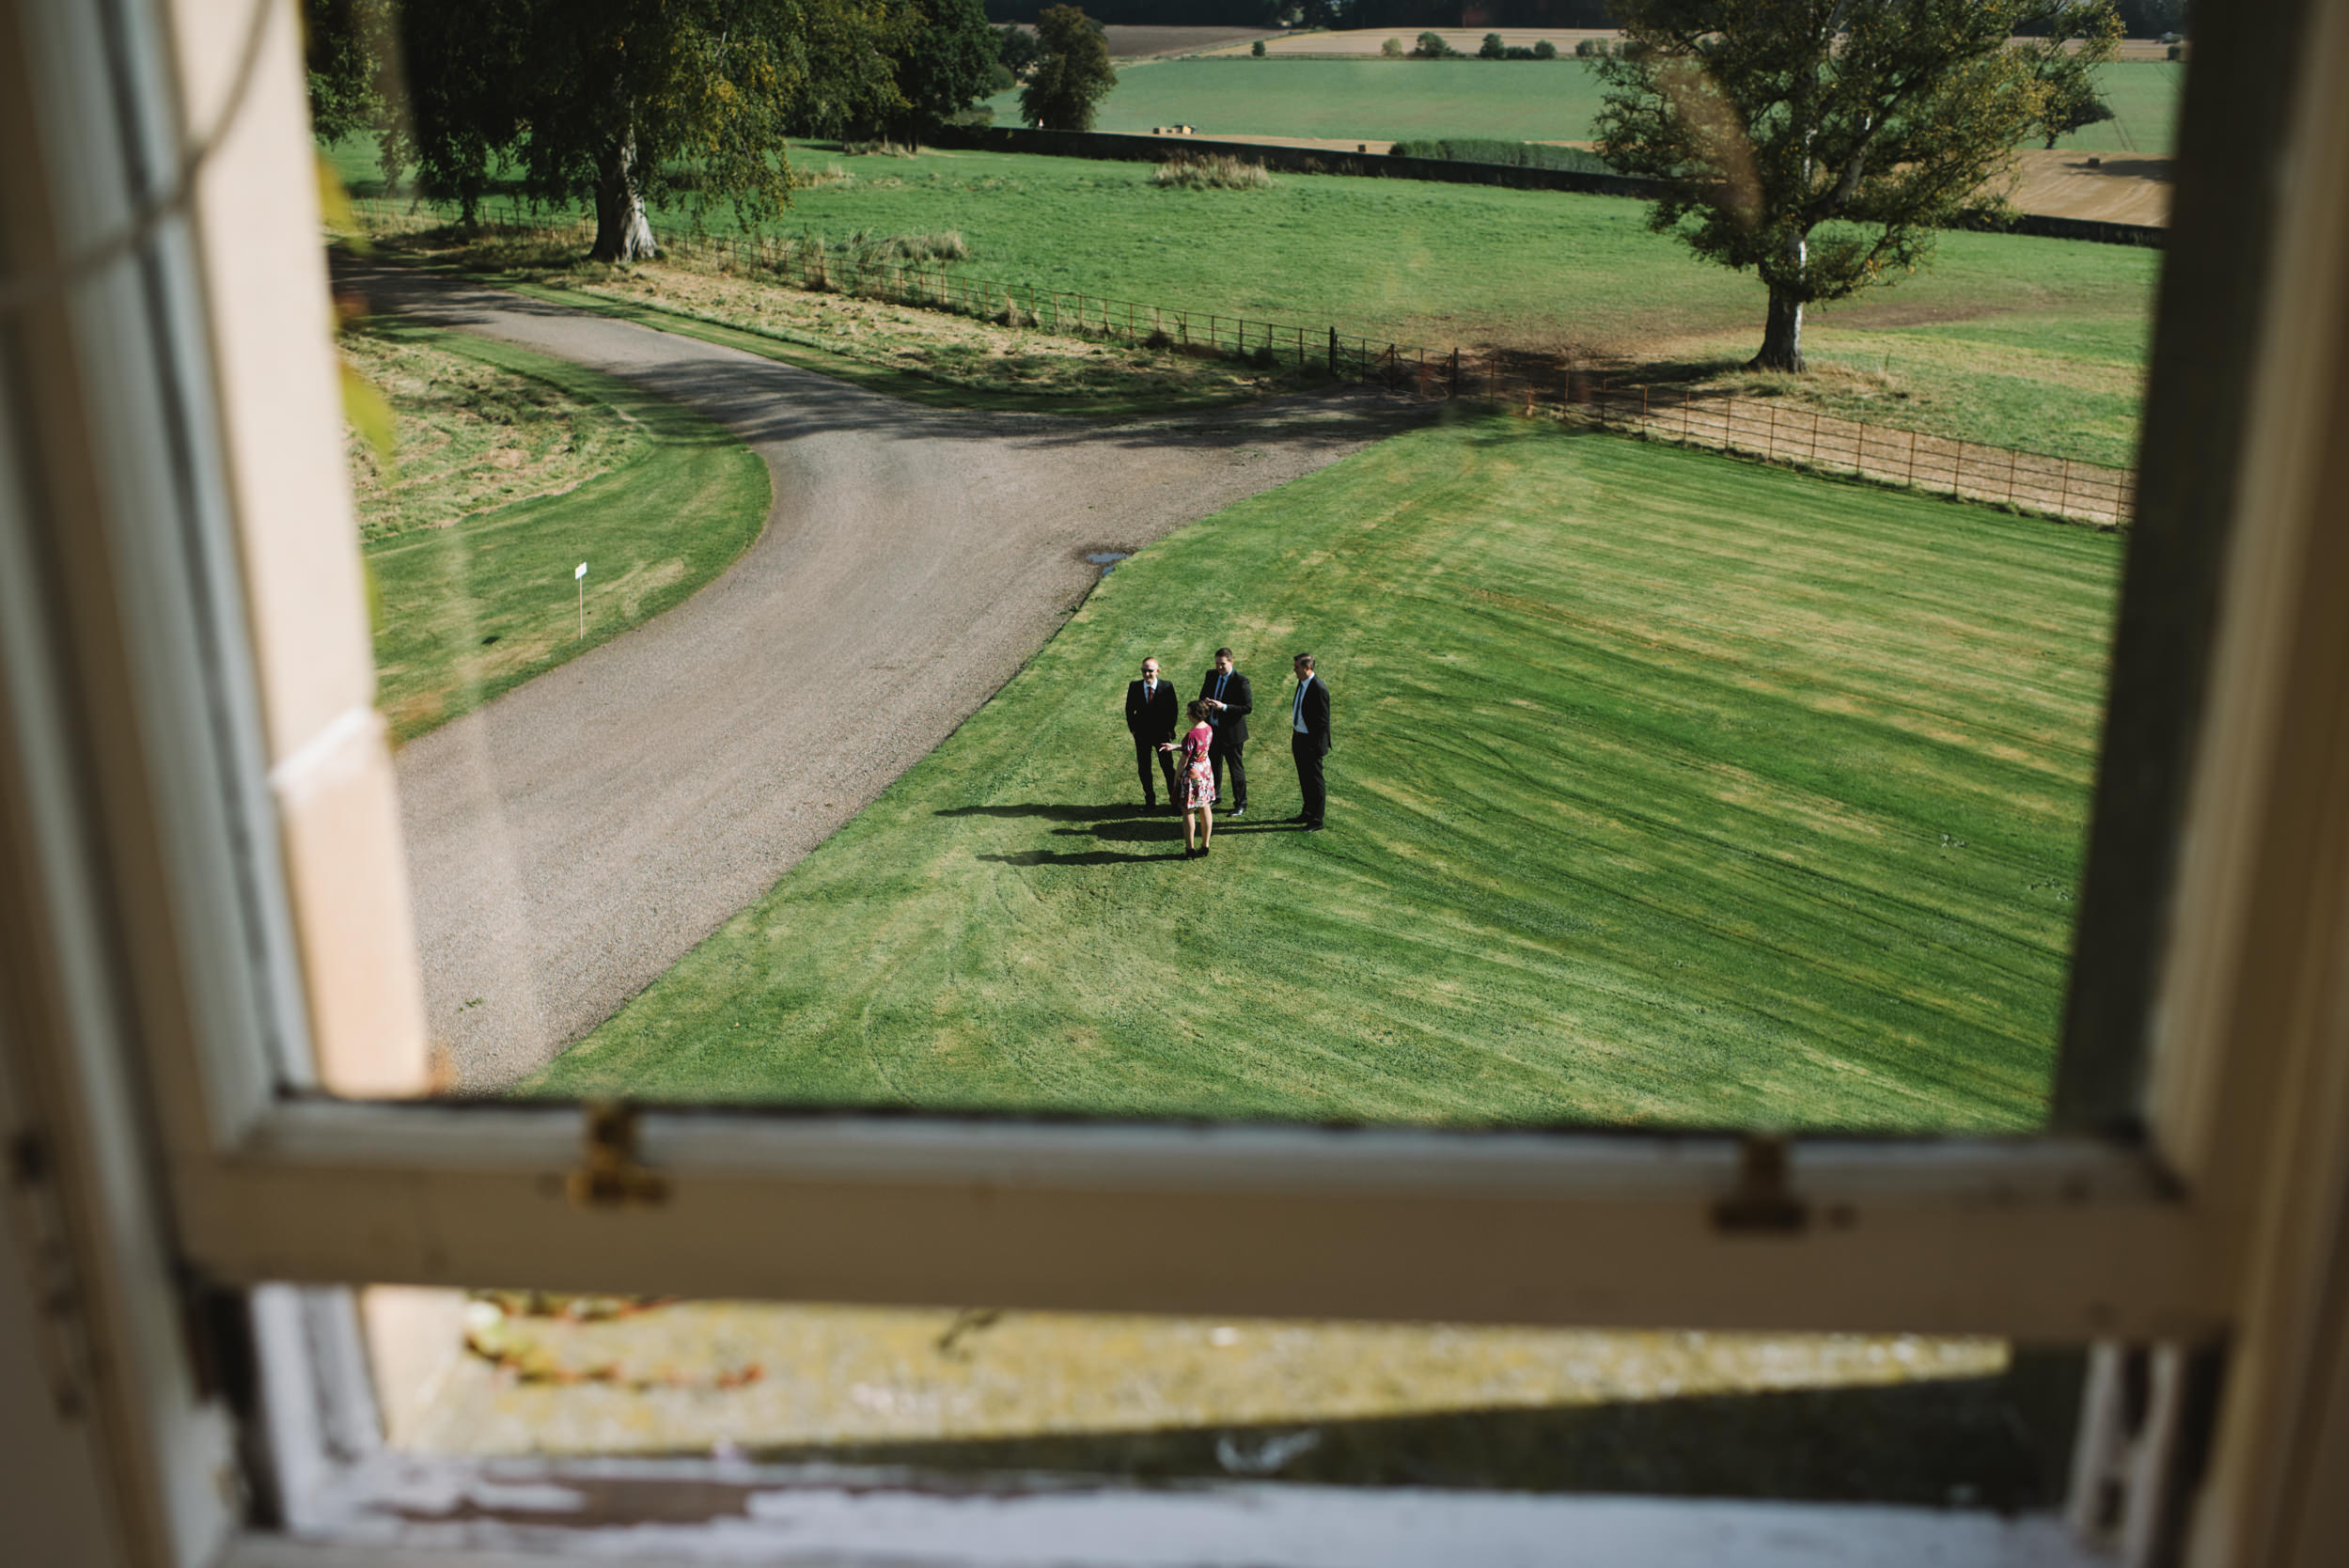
x,y
571,839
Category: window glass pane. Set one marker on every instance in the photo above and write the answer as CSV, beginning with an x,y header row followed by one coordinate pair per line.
x,y
789,632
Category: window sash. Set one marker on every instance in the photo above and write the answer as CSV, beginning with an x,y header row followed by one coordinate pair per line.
x,y
2031,1236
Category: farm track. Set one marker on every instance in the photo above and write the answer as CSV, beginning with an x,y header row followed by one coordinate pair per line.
x,y
569,840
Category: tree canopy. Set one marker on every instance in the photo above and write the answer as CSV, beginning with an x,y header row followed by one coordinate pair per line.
x,y
944,57
2074,38
1073,73
626,102
1821,142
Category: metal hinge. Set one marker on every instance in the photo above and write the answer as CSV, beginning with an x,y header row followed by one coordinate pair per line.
x,y
1761,1201
607,1175
65,1346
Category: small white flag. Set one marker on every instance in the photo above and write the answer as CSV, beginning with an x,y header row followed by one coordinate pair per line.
x,y
583,570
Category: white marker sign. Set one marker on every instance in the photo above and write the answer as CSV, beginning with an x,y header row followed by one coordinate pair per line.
x,y
582,576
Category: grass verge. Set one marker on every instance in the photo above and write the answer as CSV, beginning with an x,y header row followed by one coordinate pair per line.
x,y
474,599
1669,789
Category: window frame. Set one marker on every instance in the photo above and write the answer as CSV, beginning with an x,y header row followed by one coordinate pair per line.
x,y
2062,1236
2210,926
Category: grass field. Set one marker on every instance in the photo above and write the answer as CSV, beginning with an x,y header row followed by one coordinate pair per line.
x,y
923,355
1667,790
476,591
1513,100
2006,339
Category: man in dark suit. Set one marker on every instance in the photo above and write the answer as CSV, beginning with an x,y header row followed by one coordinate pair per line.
x,y
1225,694
1308,740
1151,713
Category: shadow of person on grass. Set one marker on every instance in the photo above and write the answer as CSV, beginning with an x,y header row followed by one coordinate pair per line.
x,y
1155,833
1054,812
1087,858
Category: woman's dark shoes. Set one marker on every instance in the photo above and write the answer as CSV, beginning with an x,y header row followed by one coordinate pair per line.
x,y
1190,854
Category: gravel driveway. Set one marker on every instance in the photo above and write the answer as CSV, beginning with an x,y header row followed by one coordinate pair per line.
x,y
571,839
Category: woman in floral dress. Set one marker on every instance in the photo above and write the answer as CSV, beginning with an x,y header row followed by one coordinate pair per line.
x,y
1198,781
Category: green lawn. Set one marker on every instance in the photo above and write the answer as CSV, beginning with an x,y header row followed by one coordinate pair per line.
x,y
1516,101
468,607
1667,790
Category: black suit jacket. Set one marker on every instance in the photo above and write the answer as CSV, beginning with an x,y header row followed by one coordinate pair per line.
x,y
1155,720
1316,717
1231,725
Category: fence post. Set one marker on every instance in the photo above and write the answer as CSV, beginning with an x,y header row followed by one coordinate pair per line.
x,y
1300,348
1912,460
2063,504
2010,476
1333,350
1453,381
1770,437
1685,396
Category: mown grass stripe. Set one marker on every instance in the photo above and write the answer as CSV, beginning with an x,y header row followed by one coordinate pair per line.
x,y
1669,789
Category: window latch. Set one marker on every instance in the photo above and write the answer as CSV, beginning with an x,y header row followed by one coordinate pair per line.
x,y
607,1175
1762,1202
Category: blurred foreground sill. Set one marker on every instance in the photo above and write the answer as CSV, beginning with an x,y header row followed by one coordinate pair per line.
x,y
525,1514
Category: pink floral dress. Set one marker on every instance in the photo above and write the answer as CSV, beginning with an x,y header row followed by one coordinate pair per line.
x,y
1198,773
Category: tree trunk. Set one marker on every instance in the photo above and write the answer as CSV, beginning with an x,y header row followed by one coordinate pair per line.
x,y
623,232
1782,336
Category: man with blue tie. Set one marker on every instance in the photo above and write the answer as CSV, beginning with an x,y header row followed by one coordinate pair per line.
x,y
1308,740
1150,715
1229,703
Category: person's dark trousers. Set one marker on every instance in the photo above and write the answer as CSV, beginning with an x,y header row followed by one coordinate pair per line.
x,y
1144,752
1309,754
1219,756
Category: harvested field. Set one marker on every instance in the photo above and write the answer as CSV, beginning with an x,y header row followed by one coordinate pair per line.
x,y
1366,40
2108,189
1142,43
1357,42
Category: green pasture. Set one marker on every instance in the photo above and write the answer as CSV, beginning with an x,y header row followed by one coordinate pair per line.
x,y
2004,338
469,608
1530,100
1667,790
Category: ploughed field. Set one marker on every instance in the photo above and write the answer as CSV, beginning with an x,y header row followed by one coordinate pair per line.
x,y
1667,789
1532,101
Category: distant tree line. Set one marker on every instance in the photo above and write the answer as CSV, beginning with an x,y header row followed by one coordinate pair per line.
x,y
621,104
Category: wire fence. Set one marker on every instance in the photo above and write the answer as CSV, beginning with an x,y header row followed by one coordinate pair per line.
x,y
1773,429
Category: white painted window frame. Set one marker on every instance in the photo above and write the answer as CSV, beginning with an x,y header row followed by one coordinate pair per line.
x,y
196,785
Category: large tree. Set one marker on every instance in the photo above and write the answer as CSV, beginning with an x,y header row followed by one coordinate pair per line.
x,y
1818,142
623,102
1071,76
347,48
944,58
